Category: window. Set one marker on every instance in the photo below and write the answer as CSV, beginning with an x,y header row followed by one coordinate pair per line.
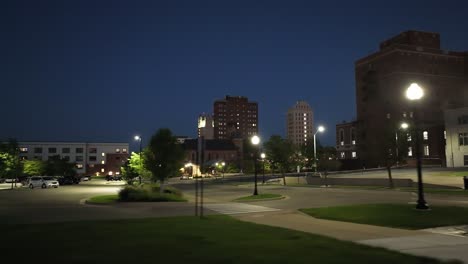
x,y
408,137
103,154
79,158
342,155
92,150
341,137
425,135
79,166
353,154
52,150
37,150
124,150
23,150
103,162
79,150
102,170
65,150
66,158
92,158
410,151
463,139
353,136
426,150
117,150
462,120
465,157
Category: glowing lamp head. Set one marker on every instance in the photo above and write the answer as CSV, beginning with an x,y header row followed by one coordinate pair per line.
x,y
414,92
321,129
137,138
222,164
255,140
404,125
263,156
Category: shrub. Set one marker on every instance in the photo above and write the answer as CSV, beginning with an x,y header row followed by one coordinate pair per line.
x,y
149,193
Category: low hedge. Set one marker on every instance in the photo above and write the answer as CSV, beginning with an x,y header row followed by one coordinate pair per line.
x,y
150,193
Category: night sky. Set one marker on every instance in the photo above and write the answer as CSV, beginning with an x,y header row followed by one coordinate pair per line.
x,y
107,70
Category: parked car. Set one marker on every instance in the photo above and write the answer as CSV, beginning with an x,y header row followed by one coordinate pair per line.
x,y
186,177
10,180
85,178
113,178
43,182
68,180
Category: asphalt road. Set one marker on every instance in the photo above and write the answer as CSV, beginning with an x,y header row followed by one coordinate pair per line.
x,y
66,202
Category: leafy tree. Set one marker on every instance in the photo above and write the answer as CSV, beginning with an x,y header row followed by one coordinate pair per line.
x,y
280,152
56,166
34,167
10,165
163,157
128,173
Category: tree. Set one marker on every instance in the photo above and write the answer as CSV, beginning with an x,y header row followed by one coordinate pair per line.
x,y
34,167
280,152
56,166
163,157
10,165
135,167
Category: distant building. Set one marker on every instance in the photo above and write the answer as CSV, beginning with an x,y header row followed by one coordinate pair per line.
x,y
206,126
235,117
346,140
382,79
456,127
300,124
89,158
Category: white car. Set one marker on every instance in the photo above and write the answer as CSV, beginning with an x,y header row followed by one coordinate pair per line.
x,y
43,182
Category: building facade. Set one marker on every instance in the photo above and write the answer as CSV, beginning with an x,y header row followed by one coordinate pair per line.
x,y
346,141
382,79
89,158
206,126
235,117
300,124
456,125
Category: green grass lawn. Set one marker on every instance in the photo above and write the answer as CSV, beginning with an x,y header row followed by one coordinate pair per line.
x,y
393,215
450,173
259,197
215,239
104,199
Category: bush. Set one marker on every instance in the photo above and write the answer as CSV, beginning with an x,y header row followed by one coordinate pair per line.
x,y
149,193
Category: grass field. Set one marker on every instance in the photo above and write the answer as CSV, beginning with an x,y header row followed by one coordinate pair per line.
x,y
215,239
393,215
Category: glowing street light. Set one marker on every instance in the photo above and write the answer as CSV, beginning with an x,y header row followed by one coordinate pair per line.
x,y
255,140
263,156
319,129
415,93
138,138
404,125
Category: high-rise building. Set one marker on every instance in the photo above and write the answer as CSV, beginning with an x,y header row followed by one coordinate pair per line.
x,y
300,123
381,81
205,126
235,117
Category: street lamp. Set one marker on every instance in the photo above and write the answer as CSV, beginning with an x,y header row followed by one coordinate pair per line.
x,y
255,141
403,126
415,93
222,169
319,129
138,138
263,156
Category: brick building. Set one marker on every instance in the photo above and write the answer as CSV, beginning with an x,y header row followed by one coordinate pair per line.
x,y
235,117
382,79
300,124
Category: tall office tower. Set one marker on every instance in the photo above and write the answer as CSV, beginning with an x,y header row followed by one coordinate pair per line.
x,y
300,123
235,117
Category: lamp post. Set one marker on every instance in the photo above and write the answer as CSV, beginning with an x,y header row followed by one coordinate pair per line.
x,y
403,126
415,93
138,138
222,169
319,129
255,140
262,155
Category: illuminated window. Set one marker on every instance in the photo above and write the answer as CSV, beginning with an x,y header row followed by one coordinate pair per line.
x,y
410,151
117,150
124,150
23,150
79,166
103,162
353,154
102,170
426,150
408,137
425,135
342,155
445,134
103,154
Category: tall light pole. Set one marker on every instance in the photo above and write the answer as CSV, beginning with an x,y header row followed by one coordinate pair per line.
x,y
415,93
138,138
223,164
319,129
263,156
255,140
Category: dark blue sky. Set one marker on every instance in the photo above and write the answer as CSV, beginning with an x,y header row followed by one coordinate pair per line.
x,y
105,70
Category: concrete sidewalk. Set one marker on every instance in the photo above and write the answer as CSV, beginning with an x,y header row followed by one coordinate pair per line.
x,y
416,242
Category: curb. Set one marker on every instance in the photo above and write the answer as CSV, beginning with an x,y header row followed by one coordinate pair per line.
x,y
262,200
